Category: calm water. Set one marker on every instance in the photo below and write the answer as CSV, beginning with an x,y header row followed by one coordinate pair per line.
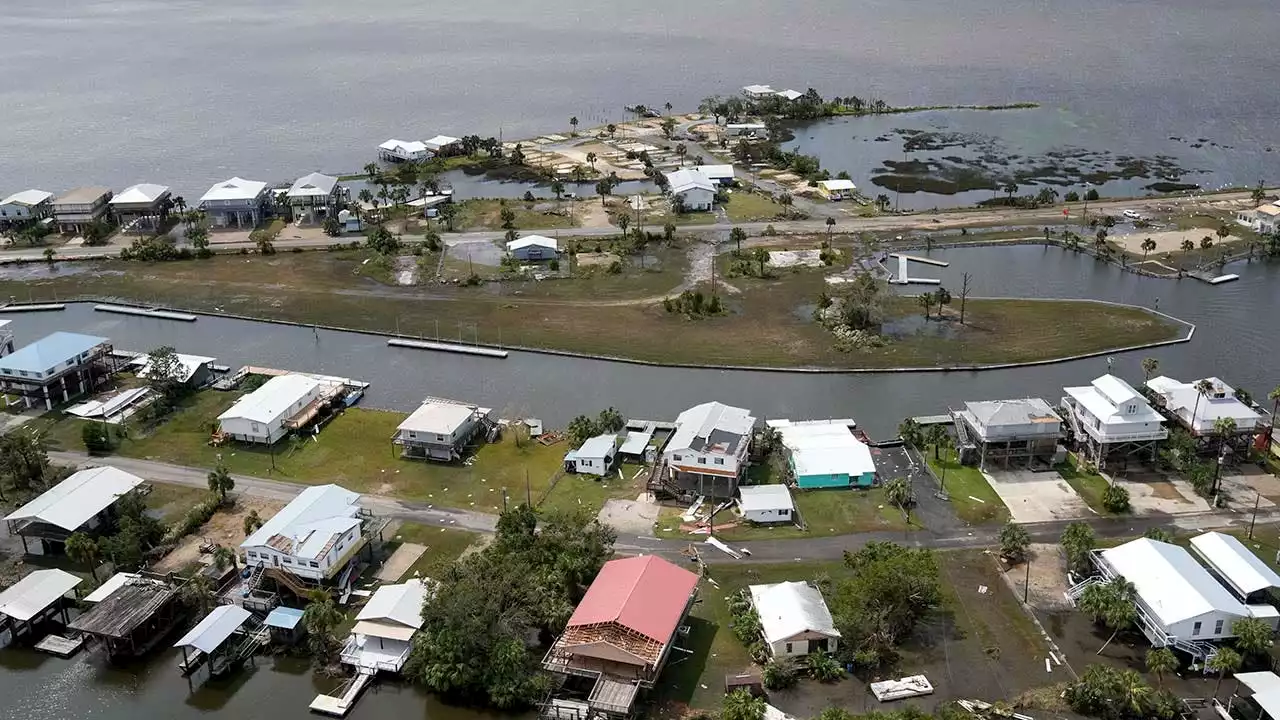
x,y
187,93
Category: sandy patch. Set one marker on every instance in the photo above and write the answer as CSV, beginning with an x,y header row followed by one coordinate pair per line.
x,y
1164,496
795,258
226,527
1048,585
1167,241
588,259
400,561
633,517
1037,496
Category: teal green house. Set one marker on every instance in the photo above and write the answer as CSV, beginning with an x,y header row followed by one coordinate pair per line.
x,y
825,454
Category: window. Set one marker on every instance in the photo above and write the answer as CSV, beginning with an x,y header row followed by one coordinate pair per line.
x,y
413,434
440,438
676,458
1195,629
702,460
1217,628
788,650
719,461
287,561
255,427
250,553
314,564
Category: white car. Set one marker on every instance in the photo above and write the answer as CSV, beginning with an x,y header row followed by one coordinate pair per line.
x,y
1133,214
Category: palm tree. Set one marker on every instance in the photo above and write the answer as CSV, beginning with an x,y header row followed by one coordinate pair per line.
x,y
199,592
1110,603
371,169
898,491
82,550
1225,429
557,188
1161,661
737,235
1147,246
319,618
1274,397
623,221
1149,367
1010,188
926,301
1188,245
611,129
1134,691
910,432
573,123
1224,661
882,202
180,203
224,556
831,226
668,107
936,435
591,160
681,151
1203,388
1206,242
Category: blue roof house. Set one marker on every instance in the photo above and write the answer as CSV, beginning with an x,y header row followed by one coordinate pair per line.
x,y
56,368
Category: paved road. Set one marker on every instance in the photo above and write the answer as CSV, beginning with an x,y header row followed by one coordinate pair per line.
x,y
950,536
901,223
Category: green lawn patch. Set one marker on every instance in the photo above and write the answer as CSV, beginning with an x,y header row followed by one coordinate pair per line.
x,y
485,214
971,495
443,546
744,206
171,502
1089,486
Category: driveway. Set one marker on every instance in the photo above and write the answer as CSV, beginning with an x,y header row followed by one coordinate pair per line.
x,y
1037,496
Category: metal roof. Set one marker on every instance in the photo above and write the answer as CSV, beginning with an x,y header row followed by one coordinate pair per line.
x,y
529,240
32,594
995,413
644,593
1106,394
790,94
787,609
236,188
764,497
188,364
696,426
140,193
824,448
215,628
1170,582
407,147
71,503
309,521
715,172
1266,690
1202,411
29,198
1240,567
686,179
440,141
440,417
50,352
276,397
82,196
597,447
400,604
313,185
284,617
838,184
113,583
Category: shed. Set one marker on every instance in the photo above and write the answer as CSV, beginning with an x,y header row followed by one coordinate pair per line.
x,y
34,598
836,189
285,625
595,457
210,633
794,618
75,504
766,503
532,248
1243,572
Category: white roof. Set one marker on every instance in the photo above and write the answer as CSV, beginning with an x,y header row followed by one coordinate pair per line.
x,y
825,448
313,185
764,497
703,427
140,193
113,583
408,147
688,179
71,503
234,189
1266,690
30,198
1170,582
787,609
1106,394
598,447
442,418
1233,561
188,364
531,240
715,172
400,604
215,628
440,141
32,594
305,527
758,89
790,94
838,184
276,397
1201,411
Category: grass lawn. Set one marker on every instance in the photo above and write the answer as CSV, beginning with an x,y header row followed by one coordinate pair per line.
x,y
1088,486
769,323
354,450
443,546
971,495
824,513
746,206
587,492
173,501
483,214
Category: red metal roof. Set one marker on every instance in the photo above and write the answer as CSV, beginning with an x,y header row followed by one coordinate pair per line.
x,y
646,594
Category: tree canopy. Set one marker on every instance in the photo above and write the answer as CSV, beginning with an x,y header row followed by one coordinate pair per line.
x,y
485,621
890,590
584,427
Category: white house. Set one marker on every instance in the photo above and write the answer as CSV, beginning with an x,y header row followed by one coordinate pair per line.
x,y
441,143
789,94
194,370
314,536
1179,603
718,174
532,248
707,452
825,453
440,429
385,626
1006,432
1244,573
1198,412
1264,219
25,206
758,91
595,457
696,192
235,203
794,619
141,207
78,504
766,504
404,151
837,189
263,415
1109,416
315,196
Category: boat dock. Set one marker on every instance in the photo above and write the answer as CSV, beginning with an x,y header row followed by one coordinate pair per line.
x,y
1207,277
340,706
924,420
32,307
447,347
917,258
63,647
145,312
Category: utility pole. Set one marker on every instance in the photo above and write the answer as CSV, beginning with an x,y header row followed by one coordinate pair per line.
x,y
1256,498
1026,584
528,496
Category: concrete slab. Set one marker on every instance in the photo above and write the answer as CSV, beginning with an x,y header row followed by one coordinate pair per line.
x,y
632,517
1037,496
1153,493
400,561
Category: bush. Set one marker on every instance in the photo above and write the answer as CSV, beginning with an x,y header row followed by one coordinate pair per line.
x,y
1115,499
198,515
824,668
779,675
472,280
554,265
615,268
96,437
770,231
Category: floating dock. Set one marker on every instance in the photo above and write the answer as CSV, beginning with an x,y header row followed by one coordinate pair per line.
x,y
33,307
917,258
1206,277
61,646
447,347
340,706
144,312
902,278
